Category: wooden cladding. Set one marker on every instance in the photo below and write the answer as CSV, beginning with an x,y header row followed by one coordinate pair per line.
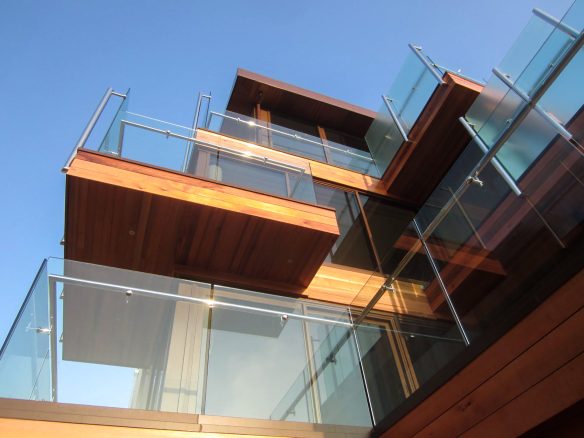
x,y
345,285
134,216
435,141
528,376
320,171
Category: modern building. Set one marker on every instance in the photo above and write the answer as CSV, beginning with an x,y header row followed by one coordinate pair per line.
x,y
296,265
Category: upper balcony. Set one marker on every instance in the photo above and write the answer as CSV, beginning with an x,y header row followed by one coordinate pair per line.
x,y
297,121
154,198
416,130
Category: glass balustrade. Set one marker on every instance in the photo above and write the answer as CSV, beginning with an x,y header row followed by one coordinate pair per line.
x,y
103,336
406,99
170,146
487,248
291,141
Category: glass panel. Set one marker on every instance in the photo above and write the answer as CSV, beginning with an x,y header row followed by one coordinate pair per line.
x,y
563,100
525,49
259,355
456,175
171,146
526,144
575,16
383,138
404,341
341,394
141,351
554,182
352,248
496,253
299,139
401,353
111,141
411,90
354,159
140,143
25,360
133,340
502,115
543,61
387,223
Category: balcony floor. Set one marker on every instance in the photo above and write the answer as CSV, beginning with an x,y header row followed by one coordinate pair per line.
x,y
129,215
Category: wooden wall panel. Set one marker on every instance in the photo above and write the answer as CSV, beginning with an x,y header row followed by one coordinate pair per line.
x,y
510,364
320,171
345,285
133,216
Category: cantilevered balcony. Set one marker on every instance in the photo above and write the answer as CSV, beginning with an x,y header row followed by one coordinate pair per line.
x,y
96,336
416,135
292,141
154,198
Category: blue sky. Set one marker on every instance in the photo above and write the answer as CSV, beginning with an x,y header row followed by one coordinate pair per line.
x,y
57,58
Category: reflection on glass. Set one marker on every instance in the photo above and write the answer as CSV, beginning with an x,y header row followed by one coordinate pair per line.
x,y
171,146
253,359
387,223
410,92
297,137
352,248
25,359
400,354
128,339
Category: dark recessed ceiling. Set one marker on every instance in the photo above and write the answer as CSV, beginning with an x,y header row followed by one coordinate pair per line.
x,y
295,102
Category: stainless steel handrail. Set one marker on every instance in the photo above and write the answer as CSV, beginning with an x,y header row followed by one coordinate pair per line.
x,y
296,136
91,124
130,291
223,149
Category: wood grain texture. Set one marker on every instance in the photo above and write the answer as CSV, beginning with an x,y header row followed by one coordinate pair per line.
x,y
512,363
24,418
251,88
320,171
435,142
124,214
345,285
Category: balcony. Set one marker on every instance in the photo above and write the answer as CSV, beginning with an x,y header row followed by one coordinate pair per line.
x,y
100,336
154,198
499,246
416,130
292,141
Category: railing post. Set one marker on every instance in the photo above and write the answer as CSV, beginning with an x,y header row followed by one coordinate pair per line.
x,y
90,125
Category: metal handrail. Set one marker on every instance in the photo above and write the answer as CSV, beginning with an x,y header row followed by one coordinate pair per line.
x,y
483,162
91,124
130,291
296,136
394,116
223,149
430,66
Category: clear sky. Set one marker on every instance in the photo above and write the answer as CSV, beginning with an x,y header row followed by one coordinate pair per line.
x,y
57,57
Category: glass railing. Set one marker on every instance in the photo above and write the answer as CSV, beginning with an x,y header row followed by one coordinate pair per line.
x,y
291,141
102,336
503,231
401,107
163,144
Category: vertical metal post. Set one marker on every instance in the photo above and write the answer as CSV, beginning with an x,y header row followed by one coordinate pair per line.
x,y
53,337
194,128
442,285
393,115
90,125
571,32
312,372
418,51
361,368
